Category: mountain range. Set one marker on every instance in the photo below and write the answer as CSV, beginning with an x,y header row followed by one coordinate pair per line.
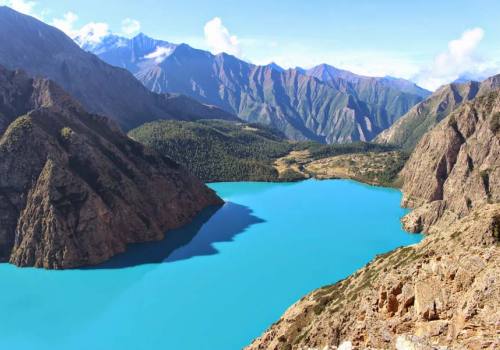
x,y
42,50
324,103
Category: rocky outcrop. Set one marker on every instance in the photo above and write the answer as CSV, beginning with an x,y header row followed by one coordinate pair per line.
x,y
443,292
409,129
455,167
74,190
42,50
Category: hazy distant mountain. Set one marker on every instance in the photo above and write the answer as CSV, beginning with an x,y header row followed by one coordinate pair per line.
x,y
330,108
42,50
408,130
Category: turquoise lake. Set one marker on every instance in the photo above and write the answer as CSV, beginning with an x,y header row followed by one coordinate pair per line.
x,y
215,284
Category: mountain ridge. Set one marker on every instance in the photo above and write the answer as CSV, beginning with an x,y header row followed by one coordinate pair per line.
x,y
302,106
42,50
408,130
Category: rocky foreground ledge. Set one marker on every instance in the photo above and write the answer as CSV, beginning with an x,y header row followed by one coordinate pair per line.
x,y
442,293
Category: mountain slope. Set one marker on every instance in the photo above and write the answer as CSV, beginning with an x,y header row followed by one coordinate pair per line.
x,y
386,98
301,106
408,130
74,190
217,150
42,50
441,293
456,166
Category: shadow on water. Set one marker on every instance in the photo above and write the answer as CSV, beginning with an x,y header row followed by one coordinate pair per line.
x,y
212,225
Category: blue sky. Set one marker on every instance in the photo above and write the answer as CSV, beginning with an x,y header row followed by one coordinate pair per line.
x,y
430,42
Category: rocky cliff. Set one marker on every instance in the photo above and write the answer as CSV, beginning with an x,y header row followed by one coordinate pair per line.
x,y
456,167
441,293
409,129
74,190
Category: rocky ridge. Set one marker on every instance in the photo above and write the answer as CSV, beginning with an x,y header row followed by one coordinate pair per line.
x,y
409,129
75,190
456,167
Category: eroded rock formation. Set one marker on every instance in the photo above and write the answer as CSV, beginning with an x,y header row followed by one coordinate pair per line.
x,y
456,167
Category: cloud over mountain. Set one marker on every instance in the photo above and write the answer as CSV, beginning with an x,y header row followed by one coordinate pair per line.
x,y
459,59
219,40
159,54
130,26
23,6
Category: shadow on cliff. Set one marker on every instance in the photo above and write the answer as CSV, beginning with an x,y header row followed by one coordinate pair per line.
x,y
212,225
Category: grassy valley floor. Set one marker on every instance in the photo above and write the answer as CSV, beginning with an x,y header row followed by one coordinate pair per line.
x,y
375,168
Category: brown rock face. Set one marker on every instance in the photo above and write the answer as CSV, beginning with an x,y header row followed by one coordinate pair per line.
x,y
441,293
455,167
74,190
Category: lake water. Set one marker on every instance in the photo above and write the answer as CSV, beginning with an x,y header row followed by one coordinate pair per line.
x,y
215,284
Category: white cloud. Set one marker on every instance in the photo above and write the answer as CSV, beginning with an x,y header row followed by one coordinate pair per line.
x,y
130,26
23,6
93,32
90,34
159,54
459,59
66,23
219,40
